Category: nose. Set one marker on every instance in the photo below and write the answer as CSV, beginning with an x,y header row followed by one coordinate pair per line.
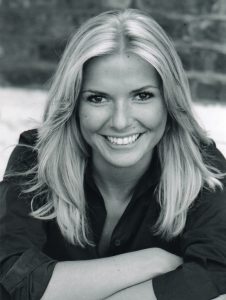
x,y
121,115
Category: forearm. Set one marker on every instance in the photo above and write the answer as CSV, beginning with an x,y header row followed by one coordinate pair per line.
x,y
222,297
139,291
142,291
101,278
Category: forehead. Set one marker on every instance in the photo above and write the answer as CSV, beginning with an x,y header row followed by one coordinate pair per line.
x,y
119,69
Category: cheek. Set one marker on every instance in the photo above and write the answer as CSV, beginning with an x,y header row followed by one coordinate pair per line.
x,y
161,119
154,119
86,124
90,120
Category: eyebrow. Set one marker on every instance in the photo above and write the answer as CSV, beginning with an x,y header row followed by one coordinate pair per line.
x,y
144,88
94,91
132,92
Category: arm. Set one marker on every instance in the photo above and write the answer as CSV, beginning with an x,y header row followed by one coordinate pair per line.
x,y
142,290
24,269
203,248
100,278
203,274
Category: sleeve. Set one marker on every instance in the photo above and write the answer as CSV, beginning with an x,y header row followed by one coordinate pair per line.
x,y
203,244
25,270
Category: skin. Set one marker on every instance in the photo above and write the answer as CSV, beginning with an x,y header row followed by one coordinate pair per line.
x,y
129,275
119,277
117,109
122,118
120,97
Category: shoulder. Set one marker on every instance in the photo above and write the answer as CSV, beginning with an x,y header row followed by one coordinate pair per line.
x,y
24,155
210,204
213,157
28,137
212,199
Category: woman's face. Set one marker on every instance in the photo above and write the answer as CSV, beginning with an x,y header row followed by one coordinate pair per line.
x,y
122,113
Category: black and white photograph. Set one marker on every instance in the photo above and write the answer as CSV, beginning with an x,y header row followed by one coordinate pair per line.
x,y
112,150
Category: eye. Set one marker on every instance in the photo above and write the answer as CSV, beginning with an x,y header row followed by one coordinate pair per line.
x,y
96,99
143,96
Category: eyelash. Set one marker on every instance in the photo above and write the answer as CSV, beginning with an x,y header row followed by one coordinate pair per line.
x,y
98,99
94,99
147,96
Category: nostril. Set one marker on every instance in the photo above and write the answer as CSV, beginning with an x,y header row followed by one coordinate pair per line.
x,y
121,118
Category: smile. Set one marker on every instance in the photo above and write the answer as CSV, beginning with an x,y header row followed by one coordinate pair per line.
x,y
123,141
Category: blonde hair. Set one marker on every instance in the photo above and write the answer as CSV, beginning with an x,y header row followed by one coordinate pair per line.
x,y
63,153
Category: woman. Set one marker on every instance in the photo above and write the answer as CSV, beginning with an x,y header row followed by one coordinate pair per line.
x,y
125,197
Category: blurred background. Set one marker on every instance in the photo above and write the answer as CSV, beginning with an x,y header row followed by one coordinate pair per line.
x,y
33,35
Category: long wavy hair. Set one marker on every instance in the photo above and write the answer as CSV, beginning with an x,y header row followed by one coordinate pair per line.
x,y
63,153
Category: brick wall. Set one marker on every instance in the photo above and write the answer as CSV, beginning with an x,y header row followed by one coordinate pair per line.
x,y
33,34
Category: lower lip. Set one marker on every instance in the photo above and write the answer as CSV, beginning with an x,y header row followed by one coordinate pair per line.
x,y
121,146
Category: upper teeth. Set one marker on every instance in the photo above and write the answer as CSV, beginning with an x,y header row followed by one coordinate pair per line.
x,y
123,141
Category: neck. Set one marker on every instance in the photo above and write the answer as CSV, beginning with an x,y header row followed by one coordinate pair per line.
x,y
118,182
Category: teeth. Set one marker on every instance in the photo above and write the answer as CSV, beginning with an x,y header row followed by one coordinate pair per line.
x,y
123,141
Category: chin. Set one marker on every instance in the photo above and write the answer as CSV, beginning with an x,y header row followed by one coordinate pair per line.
x,y
125,162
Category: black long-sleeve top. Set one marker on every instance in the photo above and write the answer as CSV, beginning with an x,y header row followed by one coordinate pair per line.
x,y
30,248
